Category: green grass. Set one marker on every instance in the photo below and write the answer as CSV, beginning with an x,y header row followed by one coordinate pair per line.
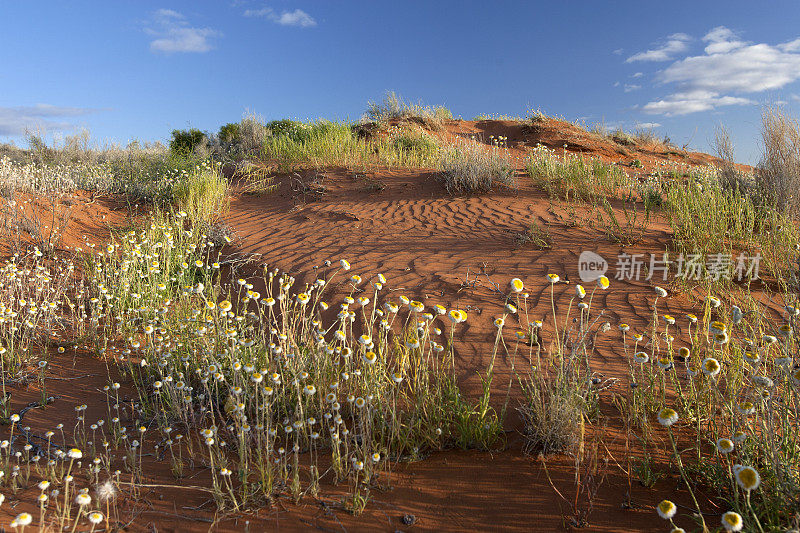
x,y
323,143
571,177
705,219
202,193
414,141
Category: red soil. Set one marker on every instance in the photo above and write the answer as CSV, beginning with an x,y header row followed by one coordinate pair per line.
x,y
567,137
438,249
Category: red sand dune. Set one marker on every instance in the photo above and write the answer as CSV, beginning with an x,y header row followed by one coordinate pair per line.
x,y
439,249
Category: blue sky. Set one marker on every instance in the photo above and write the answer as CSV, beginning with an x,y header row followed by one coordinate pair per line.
x,y
128,70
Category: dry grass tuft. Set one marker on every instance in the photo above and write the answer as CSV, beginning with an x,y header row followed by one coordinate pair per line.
x,y
469,167
394,107
778,176
730,178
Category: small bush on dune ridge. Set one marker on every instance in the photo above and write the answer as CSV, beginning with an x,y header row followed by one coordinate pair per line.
x,y
185,142
325,142
620,137
469,167
394,107
229,133
234,141
14,153
641,136
502,117
647,136
252,134
239,140
302,132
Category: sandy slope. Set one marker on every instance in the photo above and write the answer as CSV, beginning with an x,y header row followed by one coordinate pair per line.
x,y
438,249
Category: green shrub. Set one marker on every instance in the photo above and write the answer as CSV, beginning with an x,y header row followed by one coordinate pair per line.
x,y
442,113
229,132
240,140
319,144
186,141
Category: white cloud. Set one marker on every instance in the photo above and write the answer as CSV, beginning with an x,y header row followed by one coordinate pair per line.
x,y
632,87
637,75
721,40
648,125
263,12
172,34
729,69
791,46
20,119
752,68
675,44
298,17
692,102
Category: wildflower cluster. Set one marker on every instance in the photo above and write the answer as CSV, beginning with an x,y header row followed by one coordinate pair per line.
x,y
269,378
736,387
